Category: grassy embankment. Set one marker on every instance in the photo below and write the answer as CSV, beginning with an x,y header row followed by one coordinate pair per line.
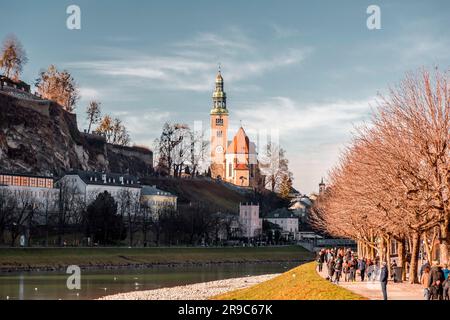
x,y
301,283
58,258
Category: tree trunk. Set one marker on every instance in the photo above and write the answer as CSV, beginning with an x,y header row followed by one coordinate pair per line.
x,y
444,242
388,256
401,257
413,276
381,250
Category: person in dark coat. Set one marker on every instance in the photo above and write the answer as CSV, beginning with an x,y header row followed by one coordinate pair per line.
x,y
384,280
338,270
436,281
422,268
362,268
321,259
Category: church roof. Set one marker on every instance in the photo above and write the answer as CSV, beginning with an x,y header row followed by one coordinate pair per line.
x,y
240,143
241,166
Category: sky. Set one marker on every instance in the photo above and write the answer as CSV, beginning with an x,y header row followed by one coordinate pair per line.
x,y
309,72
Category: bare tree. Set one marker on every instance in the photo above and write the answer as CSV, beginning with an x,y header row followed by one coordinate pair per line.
x,y
7,207
106,127
23,211
58,86
71,206
198,146
392,182
171,154
93,113
114,131
274,165
128,205
13,57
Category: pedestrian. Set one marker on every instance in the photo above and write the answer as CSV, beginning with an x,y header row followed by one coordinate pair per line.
x,y
424,265
446,284
384,279
338,270
436,281
362,268
424,280
330,266
446,289
393,269
352,269
446,271
320,259
345,270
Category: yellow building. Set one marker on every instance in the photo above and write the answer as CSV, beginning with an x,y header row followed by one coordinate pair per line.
x,y
233,161
157,200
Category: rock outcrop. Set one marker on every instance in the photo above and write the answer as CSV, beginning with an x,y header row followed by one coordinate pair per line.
x,y
40,137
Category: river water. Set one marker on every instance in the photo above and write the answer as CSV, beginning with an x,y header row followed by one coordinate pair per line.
x,y
98,283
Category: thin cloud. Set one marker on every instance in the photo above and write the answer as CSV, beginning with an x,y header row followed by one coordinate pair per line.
x,y
287,116
190,65
284,31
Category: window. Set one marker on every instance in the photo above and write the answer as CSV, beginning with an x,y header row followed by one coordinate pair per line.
x,y
7,180
33,182
230,169
219,122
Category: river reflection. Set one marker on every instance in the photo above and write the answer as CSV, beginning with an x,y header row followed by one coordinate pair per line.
x,y
98,283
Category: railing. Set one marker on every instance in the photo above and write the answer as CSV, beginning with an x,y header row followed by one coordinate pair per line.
x,y
335,242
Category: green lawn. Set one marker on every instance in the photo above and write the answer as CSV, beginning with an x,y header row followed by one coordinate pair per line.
x,y
61,257
301,283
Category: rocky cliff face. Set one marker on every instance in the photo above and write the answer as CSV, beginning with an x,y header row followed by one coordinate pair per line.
x,y
39,137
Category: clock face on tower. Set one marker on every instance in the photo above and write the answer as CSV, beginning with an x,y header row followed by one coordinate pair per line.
x,y
219,149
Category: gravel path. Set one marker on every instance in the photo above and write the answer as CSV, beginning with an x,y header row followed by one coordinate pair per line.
x,y
199,291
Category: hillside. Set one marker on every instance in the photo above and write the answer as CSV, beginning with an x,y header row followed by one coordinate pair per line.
x,y
39,137
215,194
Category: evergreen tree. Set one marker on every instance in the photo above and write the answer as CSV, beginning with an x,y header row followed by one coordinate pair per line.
x,y
285,187
103,223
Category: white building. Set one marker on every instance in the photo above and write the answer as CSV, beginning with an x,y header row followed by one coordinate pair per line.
x,y
90,184
287,220
250,221
37,192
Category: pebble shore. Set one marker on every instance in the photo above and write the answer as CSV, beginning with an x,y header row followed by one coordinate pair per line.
x,y
199,291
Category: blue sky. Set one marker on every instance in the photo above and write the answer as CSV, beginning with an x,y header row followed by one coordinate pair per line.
x,y
309,69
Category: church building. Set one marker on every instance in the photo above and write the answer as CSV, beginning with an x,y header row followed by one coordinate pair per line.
x,y
235,160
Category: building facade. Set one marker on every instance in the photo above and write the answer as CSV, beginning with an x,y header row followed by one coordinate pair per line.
x,y
31,190
251,223
233,161
89,185
123,188
157,200
285,219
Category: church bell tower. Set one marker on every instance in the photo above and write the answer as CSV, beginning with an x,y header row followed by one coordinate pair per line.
x,y
219,128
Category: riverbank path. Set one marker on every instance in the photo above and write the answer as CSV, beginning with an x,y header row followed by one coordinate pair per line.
x,y
372,289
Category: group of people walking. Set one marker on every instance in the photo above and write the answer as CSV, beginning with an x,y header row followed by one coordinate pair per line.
x,y
435,281
344,264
